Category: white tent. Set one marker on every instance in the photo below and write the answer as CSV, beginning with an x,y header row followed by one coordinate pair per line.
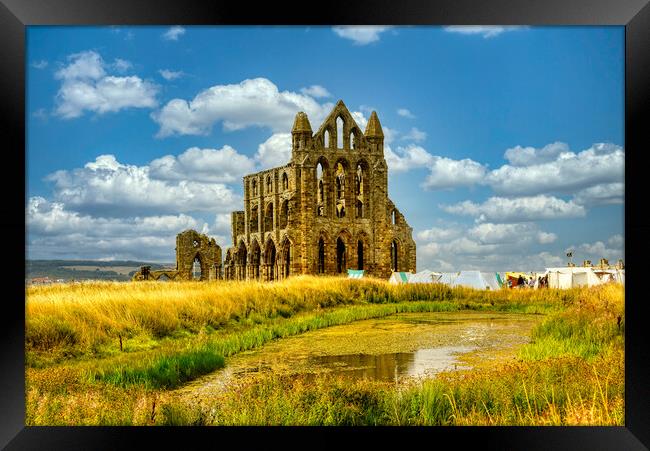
x,y
490,279
473,279
448,278
399,277
572,277
424,276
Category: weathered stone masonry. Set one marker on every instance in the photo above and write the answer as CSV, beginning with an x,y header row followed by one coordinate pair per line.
x,y
325,211
197,256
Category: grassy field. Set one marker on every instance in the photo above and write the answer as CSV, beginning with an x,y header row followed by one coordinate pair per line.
x,y
106,353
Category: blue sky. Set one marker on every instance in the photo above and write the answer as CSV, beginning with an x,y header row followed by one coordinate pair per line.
x,y
505,145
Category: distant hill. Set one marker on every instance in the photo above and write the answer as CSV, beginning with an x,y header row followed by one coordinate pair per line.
x,y
119,270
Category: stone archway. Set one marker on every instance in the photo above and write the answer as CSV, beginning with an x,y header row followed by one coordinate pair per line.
x,y
242,259
255,261
191,247
270,261
197,268
341,256
284,261
394,256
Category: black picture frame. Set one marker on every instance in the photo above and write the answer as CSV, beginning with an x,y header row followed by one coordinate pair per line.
x,y
15,15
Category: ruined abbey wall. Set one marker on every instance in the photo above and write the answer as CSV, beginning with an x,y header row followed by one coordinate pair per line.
x,y
325,211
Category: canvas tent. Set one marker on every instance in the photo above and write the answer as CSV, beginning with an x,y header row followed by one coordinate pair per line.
x,y
355,273
572,277
448,278
611,275
472,279
399,277
424,276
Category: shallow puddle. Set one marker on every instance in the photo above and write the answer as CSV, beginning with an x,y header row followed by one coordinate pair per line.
x,y
411,345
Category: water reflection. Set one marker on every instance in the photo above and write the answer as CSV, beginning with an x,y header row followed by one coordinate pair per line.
x,y
383,349
392,366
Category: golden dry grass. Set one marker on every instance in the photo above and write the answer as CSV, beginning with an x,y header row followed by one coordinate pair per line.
x,y
78,319
574,366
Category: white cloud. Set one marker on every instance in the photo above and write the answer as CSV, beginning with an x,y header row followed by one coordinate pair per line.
x,y
173,33
485,247
528,156
170,74
546,238
439,234
361,35
275,151
41,64
415,135
616,241
121,65
609,193
110,188
203,165
487,31
55,232
502,210
602,163
593,176
407,158
316,91
490,233
253,102
221,231
405,113
447,173
86,87
361,120
597,250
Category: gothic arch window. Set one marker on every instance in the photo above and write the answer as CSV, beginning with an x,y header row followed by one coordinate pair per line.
x,y
255,260
321,193
254,187
394,256
268,218
284,214
196,268
393,217
254,220
241,261
339,181
286,259
270,261
341,263
353,144
321,256
339,132
326,139
360,183
285,181
269,185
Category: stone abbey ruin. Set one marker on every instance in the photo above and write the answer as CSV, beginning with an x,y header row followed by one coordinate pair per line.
x,y
195,254
324,212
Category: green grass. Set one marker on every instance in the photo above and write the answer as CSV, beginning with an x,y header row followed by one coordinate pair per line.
x,y
572,374
207,355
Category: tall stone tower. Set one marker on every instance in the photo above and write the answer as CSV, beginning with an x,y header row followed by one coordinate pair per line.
x,y
324,212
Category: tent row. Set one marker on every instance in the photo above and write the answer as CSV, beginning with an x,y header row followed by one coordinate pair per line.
x,y
472,279
573,277
569,277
